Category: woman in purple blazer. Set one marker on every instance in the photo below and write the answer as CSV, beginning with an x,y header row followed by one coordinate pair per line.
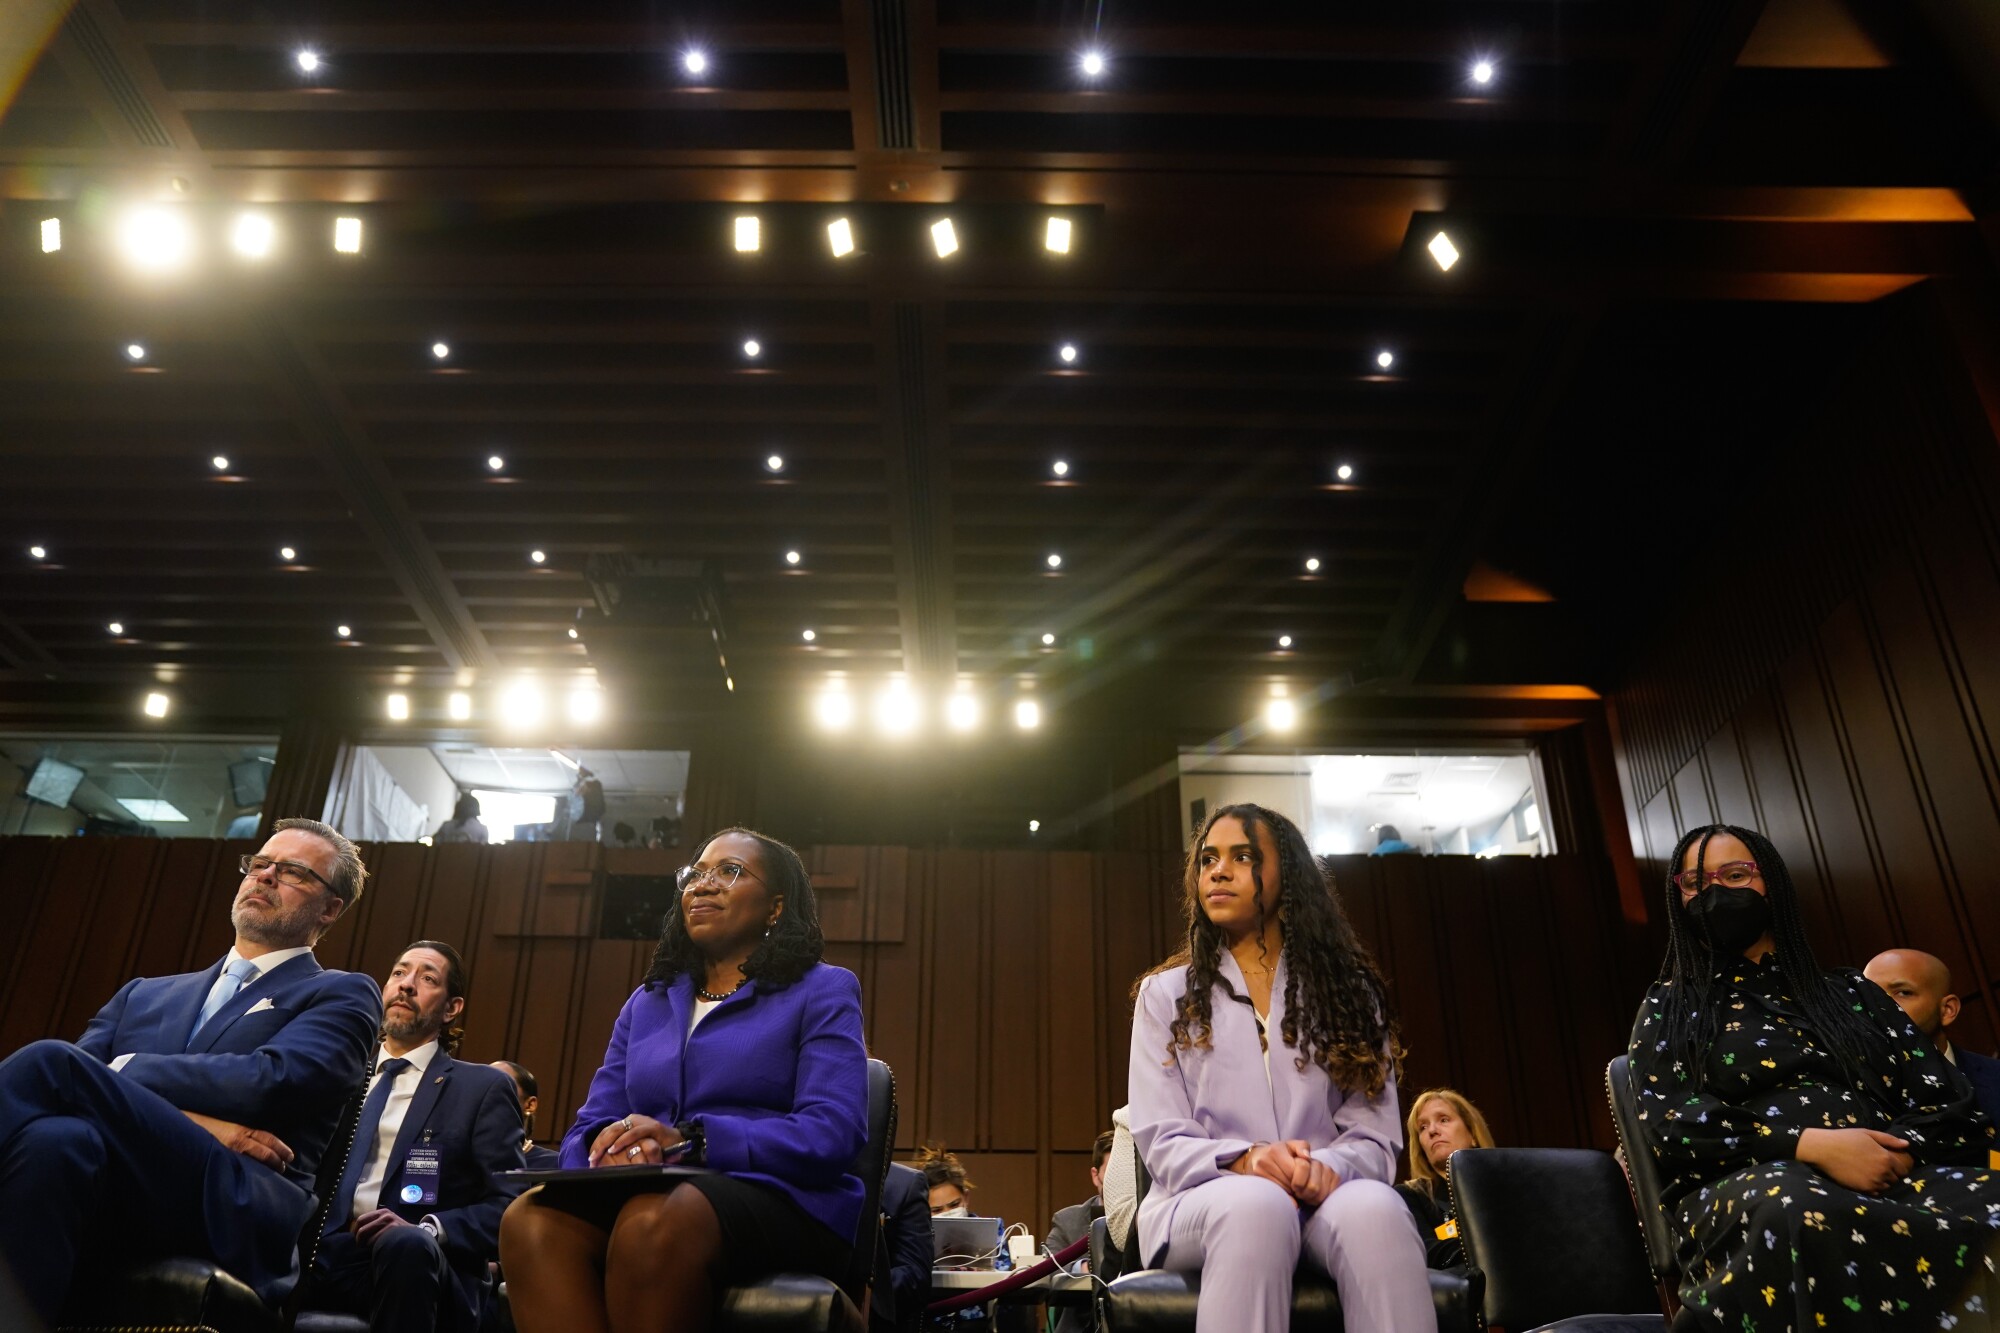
x,y
1263,1093
743,1053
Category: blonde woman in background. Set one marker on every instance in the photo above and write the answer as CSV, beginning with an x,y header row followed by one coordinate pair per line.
x,y
1441,1122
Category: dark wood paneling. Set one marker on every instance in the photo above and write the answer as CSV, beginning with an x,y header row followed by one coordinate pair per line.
x,y
1002,1002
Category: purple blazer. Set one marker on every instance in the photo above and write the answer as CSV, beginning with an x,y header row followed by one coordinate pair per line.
x,y
1194,1113
778,1079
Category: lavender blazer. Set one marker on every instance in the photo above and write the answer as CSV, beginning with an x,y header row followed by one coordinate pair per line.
x,y
1196,1112
778,1079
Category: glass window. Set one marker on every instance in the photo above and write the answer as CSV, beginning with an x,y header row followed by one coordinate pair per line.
x,y
138,786
628,798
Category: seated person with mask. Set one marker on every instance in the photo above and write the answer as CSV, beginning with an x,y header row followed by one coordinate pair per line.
x,y
416,1217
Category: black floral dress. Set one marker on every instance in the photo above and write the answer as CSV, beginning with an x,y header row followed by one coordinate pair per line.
x,y
1767,1242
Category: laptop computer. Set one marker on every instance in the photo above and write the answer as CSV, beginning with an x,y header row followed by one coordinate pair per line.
x,y
967,1242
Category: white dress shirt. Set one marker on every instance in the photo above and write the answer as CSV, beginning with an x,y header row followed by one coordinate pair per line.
x,y
262,962
368,1190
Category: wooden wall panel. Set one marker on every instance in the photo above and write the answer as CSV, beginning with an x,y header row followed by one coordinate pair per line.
x,y
1004,1005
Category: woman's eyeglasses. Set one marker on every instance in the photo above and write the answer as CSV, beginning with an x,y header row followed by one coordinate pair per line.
x,y
723,876
1734,875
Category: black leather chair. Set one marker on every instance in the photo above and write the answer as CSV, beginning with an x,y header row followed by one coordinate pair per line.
x,y
194,1296
1643,1173
1552,1231
1158,1300
803,1302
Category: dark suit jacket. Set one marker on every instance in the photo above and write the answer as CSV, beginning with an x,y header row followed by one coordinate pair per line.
x,y
1070,1225
283,1055
903,1258
1983,1073
543,1158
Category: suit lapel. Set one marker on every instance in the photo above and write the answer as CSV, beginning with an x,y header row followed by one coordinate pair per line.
x,y
182,1005
273,985
437,1076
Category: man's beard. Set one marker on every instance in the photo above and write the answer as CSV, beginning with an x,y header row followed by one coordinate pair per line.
x,y
282,930
407,1026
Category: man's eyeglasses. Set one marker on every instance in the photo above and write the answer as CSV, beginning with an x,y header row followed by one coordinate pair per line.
x,y
288,872
723,877
1734,875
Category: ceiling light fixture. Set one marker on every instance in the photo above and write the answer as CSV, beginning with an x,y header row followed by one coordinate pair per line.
x,y
253,236
1054,560
51,235
1281,714
945,237
1068,354
459,706
495,462
117,628
694,61
1443,251
840,236
1385,358
586,704
749,234
1092,63
572,632
155,239
1027,714
288,553
793,557
1312,564
1048,640
775,463
1284,640
1482,72
307,60
522,704
1056,238
1345,472
344,631
896,710
809,636
135,351
835,707
39,552
347,236
220,462
961,710
440,350
1060,467
752,348
540,557
398,707
156,705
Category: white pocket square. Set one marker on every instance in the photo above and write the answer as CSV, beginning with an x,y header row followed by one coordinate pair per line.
x,y
260,1006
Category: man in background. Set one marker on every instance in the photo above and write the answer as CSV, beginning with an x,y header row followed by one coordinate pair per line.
x,y
1921,984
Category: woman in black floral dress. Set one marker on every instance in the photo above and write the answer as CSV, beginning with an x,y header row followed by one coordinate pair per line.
x,y
1824,1166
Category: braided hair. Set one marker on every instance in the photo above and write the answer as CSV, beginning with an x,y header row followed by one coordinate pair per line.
x,y
786,953
1688,1020
1336,1006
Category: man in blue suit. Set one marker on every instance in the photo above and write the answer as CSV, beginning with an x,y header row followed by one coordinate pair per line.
x,y
1921,984
416,1218
191,1117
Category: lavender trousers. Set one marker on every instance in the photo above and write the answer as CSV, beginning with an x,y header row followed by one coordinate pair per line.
x,y
1245,1235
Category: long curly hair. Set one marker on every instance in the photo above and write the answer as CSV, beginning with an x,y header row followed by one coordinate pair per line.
x,y
1337,1011
1688,1020
794,945
1423,1175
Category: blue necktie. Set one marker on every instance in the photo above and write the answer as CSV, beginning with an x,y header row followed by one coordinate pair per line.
x,y
363,1148
233,979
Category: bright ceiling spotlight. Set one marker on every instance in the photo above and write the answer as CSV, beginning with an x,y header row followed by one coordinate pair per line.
x,y
1048,641
793,557
135,351
1060,467
539,557
1056,239
945,237
694,61
116,627
775,463
39,552
344,631
307,60
1034,826
1443,251
1385,358
253,236
961,711
220,462
586,705
1027,714
840,236
1312,564
1345,472
1068,354
156,240
288,553
809,636
1482,72
156,704
347,236
572,632
749,234
1281,714
896,710
440,350
459,706
495,462
752,348
51,235
1054,560
1284,640
1092,63
834,708
398,707
522,704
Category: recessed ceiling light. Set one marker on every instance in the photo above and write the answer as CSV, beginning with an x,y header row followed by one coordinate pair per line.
x,y
835,707
288,553
459,705
961,711
809,636
155,239
39,552
1056,238
945,237
1048,640
1068,354
1345,472
347,235
1312,564
51,235
896,710
1060,467
694,62
253,236
1092,63
1385,358
495,462
1482,72
572,632
344,631
775,463
1034,826
440,350
793,557
307,61
220,462
522,704
398,707
840,236
749,234
1027,714
116,627
1054,560
752,348
1281,714
1443,251
156,705
1284,640
539,557
135,351
586,704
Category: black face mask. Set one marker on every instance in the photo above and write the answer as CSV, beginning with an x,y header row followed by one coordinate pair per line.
x,y
1731,920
